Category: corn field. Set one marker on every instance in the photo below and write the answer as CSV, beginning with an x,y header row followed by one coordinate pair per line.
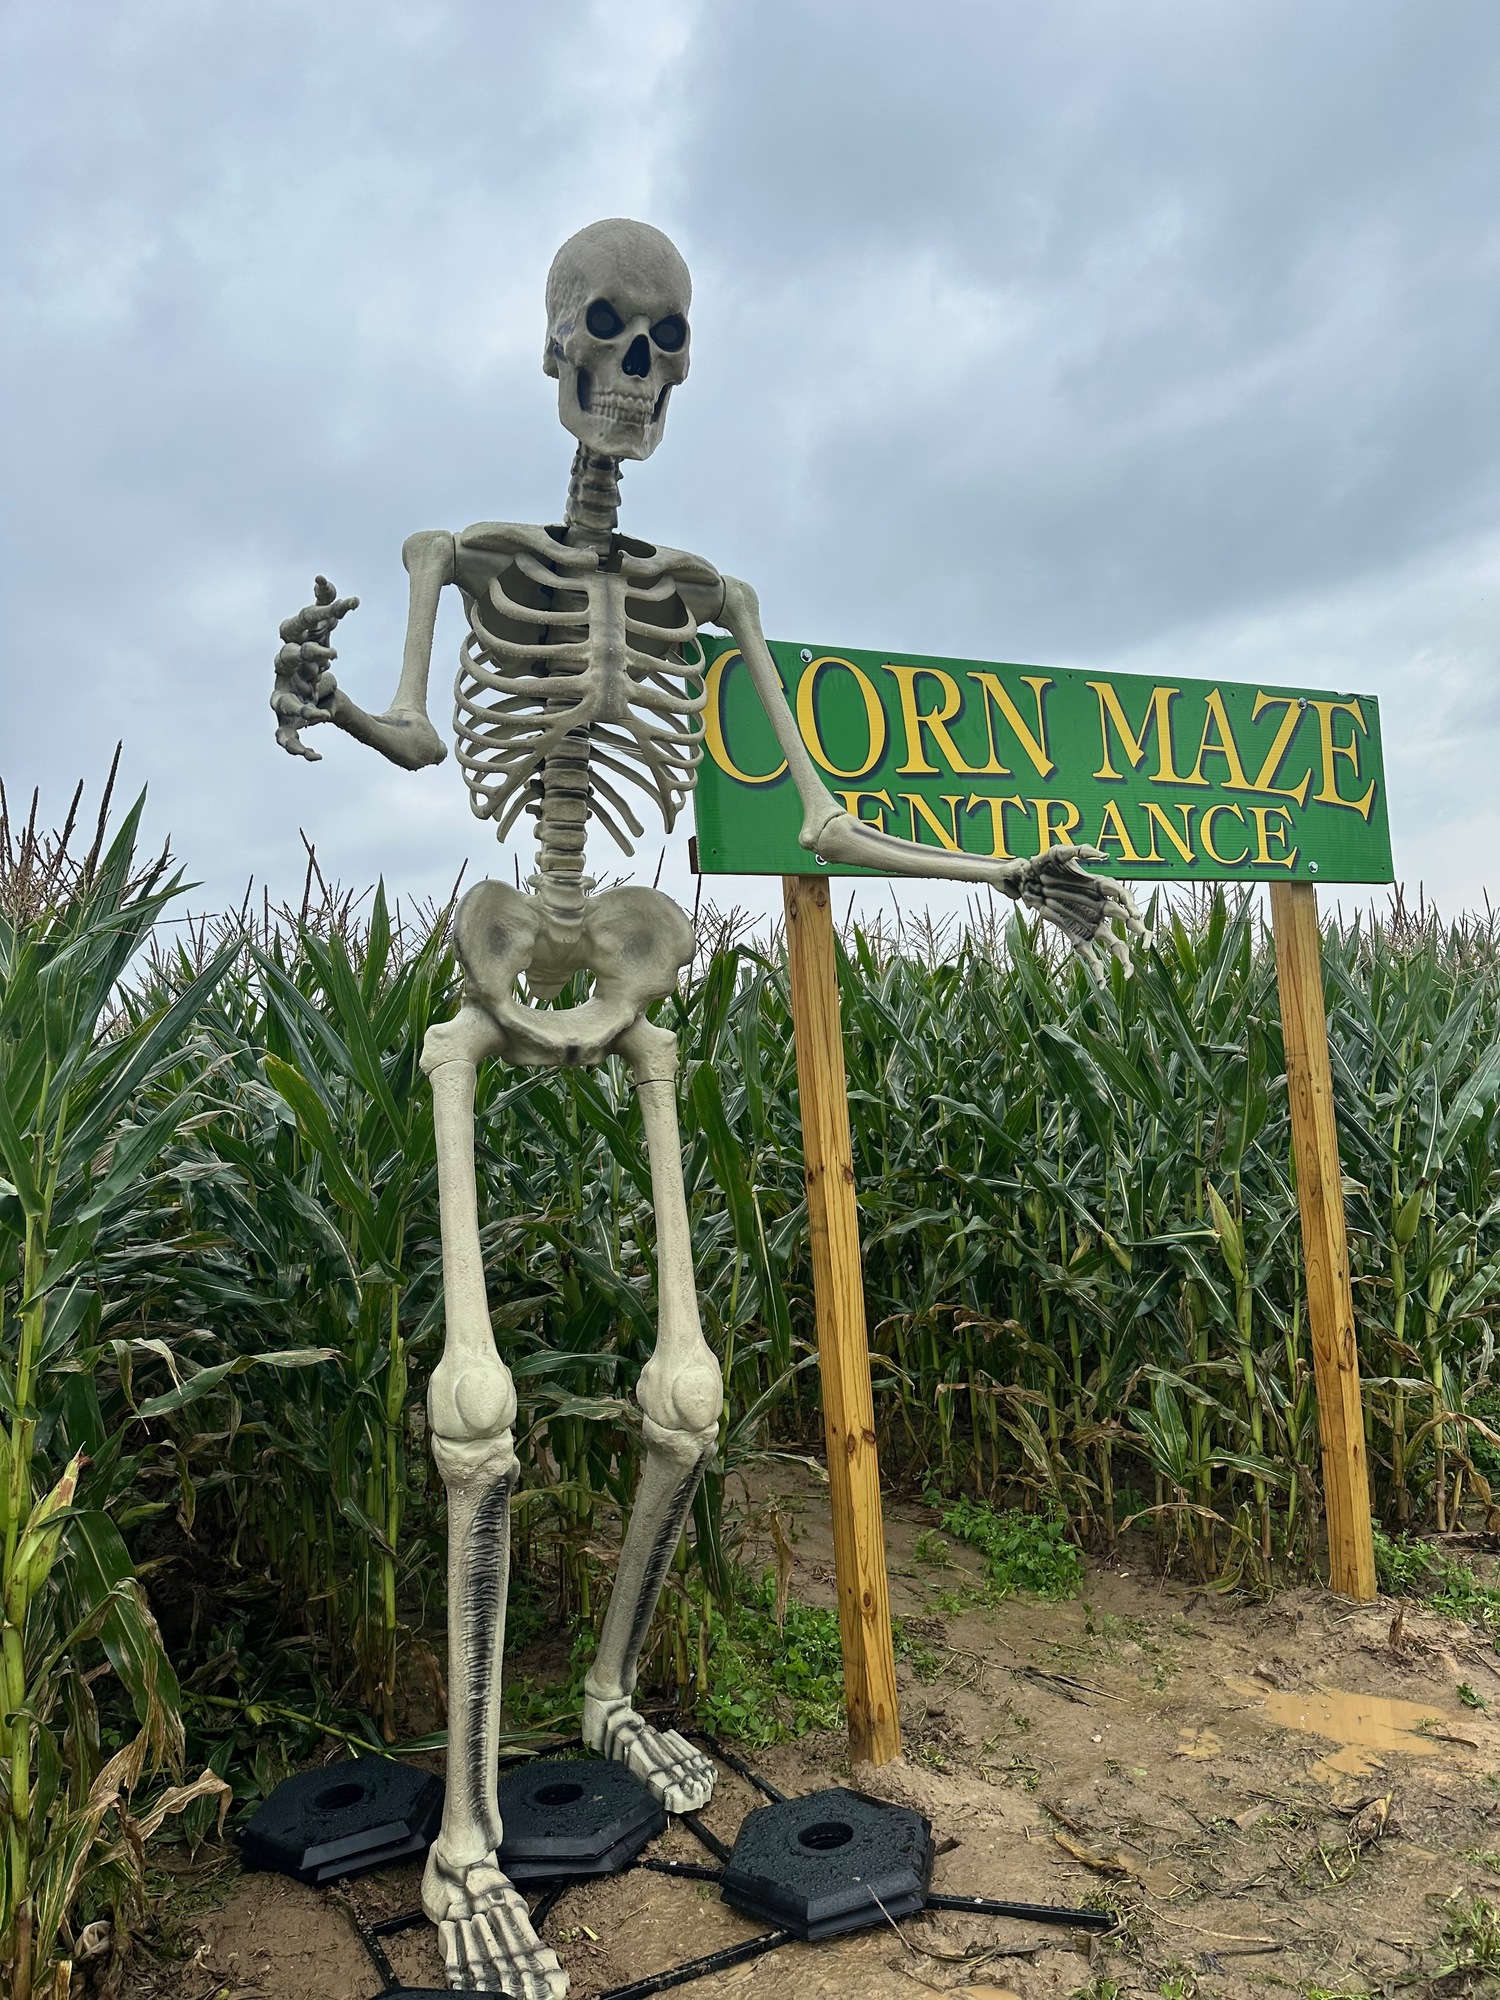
x,y
220,1296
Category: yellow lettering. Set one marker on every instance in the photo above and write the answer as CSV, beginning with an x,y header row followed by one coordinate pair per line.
x,y
1265,833
998,849
1270,771
947,836
1035,746
713,725
1221,744
807,716
1206,835
854,806
1155,818
1112,828
935,721
1327,793
1159,714
1049,835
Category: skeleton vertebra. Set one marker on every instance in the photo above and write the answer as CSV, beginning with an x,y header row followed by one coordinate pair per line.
x,y
581,677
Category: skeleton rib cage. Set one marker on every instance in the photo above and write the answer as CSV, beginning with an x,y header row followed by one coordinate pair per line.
x,y
581,672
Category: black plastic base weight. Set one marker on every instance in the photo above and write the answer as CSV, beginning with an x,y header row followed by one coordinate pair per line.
x,y
574,1817
832,1862
790,1869
344,1819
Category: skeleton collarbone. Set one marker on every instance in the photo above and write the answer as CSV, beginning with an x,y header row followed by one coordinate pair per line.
x,y
579,654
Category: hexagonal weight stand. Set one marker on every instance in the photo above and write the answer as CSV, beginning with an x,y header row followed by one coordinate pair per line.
x,y
344,1819
574,1816
831,1862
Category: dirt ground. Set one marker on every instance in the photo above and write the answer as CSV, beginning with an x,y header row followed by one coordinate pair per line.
x,y
1277,1798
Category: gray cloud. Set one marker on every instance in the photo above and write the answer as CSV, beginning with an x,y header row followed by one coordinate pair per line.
x,y
1084,334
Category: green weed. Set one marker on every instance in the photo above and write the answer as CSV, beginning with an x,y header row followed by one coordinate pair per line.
x,y
1029,1552
1459,1593
911,1646
768,1684
1471,1936
1401,1566
1443,1581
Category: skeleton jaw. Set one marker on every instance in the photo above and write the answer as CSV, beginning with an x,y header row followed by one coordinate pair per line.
x,y
616,423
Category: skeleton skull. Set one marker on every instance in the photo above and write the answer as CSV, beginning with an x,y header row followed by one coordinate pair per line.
x,y
617,335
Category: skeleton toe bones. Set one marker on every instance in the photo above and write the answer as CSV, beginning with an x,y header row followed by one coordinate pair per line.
x,y
486,1933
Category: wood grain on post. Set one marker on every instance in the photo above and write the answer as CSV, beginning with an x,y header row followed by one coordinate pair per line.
x,y
1325,1255
843,1345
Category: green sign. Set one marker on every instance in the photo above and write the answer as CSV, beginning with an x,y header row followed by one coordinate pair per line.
x,y
1187,780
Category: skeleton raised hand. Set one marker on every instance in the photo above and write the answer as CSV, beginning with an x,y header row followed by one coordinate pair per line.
x,y
580,681
306,691
305,686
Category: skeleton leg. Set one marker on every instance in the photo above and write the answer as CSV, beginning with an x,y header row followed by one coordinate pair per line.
x,y
485,1927
680,1394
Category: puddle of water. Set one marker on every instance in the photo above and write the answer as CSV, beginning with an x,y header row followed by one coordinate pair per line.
x,y
1360,1724
1200,1744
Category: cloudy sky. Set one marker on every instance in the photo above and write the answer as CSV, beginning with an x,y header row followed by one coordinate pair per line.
x,y
1158,335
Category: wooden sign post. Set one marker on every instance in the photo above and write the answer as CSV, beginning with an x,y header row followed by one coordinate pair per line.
x,y
843,1345
1192,781
1325,1255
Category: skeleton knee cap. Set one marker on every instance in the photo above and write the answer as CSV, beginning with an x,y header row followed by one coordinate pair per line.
x,y
689,1399
472,1403
698,1396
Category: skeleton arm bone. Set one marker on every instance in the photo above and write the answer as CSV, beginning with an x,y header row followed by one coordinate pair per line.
x,y
1081,905
306,691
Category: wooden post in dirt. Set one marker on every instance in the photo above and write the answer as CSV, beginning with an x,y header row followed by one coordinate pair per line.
x,y
1325,1255
843,1345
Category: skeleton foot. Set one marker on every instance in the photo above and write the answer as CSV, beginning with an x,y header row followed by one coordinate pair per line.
x,y
681,1777
485,1930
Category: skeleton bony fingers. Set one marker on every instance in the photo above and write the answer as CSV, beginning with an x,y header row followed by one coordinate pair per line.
x,y
305,686
303,695
1097,915
317,620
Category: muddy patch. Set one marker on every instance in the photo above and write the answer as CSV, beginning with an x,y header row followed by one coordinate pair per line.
x,y
1367,1729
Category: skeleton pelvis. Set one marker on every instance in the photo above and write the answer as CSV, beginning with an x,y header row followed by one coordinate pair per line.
x,y
633,941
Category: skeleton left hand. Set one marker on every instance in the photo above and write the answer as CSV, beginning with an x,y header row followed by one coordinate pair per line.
x,y
1084,907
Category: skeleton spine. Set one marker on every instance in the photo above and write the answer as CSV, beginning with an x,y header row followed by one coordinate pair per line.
x,y
562,832
562,810
593,510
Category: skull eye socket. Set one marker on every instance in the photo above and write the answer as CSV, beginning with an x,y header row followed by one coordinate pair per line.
x,y
602,321
670,333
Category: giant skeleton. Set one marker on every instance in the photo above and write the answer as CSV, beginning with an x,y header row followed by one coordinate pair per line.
x,y
581,675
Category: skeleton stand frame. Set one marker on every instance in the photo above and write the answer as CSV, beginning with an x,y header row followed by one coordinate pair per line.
x,y
372,1936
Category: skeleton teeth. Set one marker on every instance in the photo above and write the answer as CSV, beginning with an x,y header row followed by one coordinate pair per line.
x,y
617,408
